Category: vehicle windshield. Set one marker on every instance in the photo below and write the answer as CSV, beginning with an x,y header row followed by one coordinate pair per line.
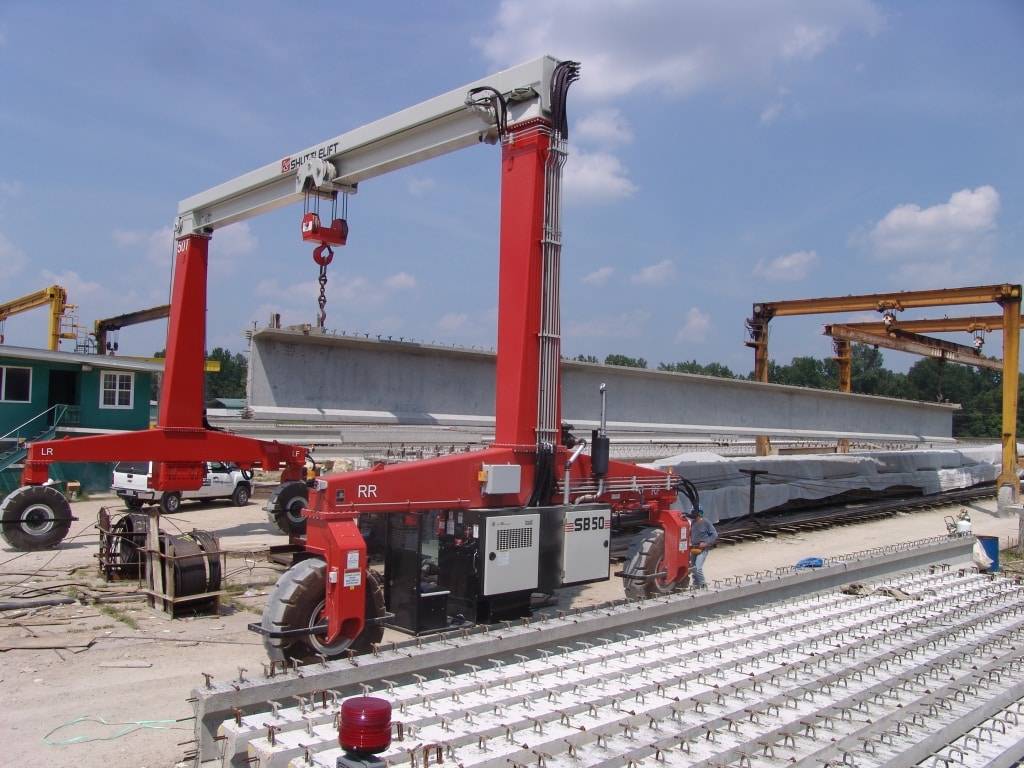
x,y
132,467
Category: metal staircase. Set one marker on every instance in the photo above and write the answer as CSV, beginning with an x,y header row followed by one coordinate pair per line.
x,y
14,445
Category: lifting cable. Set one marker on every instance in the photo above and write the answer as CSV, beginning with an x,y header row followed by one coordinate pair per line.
x,y
314,231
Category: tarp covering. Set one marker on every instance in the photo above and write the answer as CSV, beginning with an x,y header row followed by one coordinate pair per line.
x,y
725,490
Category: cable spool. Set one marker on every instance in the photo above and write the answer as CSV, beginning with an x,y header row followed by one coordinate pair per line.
x,y
196,564
129,542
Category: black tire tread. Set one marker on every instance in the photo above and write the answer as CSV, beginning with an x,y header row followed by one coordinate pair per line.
x,y
295,596
167,506
21,499
286,496
241,495
643,558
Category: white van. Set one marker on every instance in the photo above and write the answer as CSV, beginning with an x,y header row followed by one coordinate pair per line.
x,y
130,481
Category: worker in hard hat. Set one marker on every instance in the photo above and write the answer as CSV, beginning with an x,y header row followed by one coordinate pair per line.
x,y
703,537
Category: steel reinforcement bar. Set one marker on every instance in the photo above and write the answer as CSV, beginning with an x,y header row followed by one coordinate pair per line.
x,y
431,658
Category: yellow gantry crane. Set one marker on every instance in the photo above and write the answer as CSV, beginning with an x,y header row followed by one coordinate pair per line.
x,y
903,335
62,323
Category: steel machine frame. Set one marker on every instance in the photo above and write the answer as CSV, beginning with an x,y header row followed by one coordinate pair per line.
x,y
533,474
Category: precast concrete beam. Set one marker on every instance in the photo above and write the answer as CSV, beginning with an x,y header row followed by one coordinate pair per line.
x,y
305,375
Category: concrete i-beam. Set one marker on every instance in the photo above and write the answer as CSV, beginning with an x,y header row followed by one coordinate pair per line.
x,y
323,377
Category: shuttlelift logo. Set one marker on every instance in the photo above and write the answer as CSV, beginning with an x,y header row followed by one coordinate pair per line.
x,y
322,152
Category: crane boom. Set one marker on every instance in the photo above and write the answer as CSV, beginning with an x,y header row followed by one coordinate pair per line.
x,y
899,300
915,344
430,129
102,327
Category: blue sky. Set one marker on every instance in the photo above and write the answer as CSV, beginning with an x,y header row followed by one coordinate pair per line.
x,y
722,153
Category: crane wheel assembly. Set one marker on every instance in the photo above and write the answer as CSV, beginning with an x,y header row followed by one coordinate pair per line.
x,y
297,605
285,505
35,517
643,575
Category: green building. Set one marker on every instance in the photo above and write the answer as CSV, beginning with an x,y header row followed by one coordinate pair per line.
x,y
46,395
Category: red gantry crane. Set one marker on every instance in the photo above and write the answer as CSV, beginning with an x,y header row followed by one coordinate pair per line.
x,y
477,533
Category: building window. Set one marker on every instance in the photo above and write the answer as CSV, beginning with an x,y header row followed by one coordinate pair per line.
x,y
15,385
117,390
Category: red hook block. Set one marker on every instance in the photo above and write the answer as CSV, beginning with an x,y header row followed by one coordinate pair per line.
x,y
314,232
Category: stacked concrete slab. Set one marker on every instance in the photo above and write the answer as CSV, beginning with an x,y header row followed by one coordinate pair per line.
x,y
724,483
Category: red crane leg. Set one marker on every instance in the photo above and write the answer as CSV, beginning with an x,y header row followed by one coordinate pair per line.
x,y
524,155
180,437
186,336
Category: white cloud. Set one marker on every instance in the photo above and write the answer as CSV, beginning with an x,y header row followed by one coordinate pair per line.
x,y
76,286
12,258
655,273
627,325
663,48
605,127
419,186
400,282
476,328
945,273
599,276
155,247
807,42
672,47
128,237
290,294
774,110
794,266
695,329
454,322
596,177
960,227
10,188
770,113
234,240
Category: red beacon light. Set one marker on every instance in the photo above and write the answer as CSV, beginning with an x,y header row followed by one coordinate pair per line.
x,y
365,731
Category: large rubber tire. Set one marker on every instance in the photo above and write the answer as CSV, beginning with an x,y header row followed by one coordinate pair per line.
x,y
241,496
646,557
35,517
287,502
170,502
298,602
132,503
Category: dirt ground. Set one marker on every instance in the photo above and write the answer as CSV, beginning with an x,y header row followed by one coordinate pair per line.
x,y
104,682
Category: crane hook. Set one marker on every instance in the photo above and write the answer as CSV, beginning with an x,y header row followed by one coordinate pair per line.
x,y
323,254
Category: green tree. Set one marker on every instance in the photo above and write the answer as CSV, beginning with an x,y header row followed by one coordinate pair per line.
x,y
802,372
867,374
586,359
692,366
229,381
628,362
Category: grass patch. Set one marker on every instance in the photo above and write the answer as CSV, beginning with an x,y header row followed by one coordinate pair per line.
x,y
232,598
118,614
